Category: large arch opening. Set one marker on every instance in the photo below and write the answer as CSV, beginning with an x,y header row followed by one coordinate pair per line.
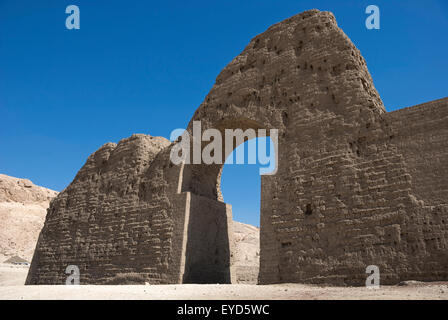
x,y
210,249
241,188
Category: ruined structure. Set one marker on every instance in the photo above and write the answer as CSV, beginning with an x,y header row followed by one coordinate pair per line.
x,y
355,186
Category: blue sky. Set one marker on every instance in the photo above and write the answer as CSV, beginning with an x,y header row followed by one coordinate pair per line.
x,y
144,67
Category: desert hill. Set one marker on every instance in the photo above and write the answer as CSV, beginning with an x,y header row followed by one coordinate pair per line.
x,y
23,207
247,252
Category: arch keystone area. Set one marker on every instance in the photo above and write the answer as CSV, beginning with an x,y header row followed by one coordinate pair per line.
x,y
352,188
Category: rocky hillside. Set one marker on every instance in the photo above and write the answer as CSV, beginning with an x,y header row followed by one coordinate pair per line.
x,y
23,207
247,252
23,191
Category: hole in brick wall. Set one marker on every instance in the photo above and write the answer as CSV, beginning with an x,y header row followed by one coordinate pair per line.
x,y
285,117
286,244
308,209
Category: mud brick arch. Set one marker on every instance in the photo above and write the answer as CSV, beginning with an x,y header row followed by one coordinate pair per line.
x,y
344,196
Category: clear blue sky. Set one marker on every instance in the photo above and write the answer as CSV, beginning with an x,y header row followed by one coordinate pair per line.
x,y
144,67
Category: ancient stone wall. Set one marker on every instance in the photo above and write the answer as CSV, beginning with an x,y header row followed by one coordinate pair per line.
x,y
421,136
344,196
115,217
123,214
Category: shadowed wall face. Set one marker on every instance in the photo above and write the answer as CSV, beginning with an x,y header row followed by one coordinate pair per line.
x,y
208,250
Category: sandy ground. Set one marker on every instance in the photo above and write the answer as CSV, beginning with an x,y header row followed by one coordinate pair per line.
x,y
12,279
11,275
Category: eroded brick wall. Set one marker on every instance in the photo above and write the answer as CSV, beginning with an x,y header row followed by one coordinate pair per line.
x,y
115,218
421,136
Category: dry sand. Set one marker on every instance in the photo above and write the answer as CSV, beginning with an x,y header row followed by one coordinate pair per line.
x,y
13,277
218,292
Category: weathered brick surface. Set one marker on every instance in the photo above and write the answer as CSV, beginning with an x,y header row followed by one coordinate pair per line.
x,y
351,189
115,217
421,136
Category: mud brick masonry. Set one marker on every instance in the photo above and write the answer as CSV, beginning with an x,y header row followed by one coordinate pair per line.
x,y
355,186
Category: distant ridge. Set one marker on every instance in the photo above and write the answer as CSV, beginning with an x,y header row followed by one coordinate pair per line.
x,y
16,259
